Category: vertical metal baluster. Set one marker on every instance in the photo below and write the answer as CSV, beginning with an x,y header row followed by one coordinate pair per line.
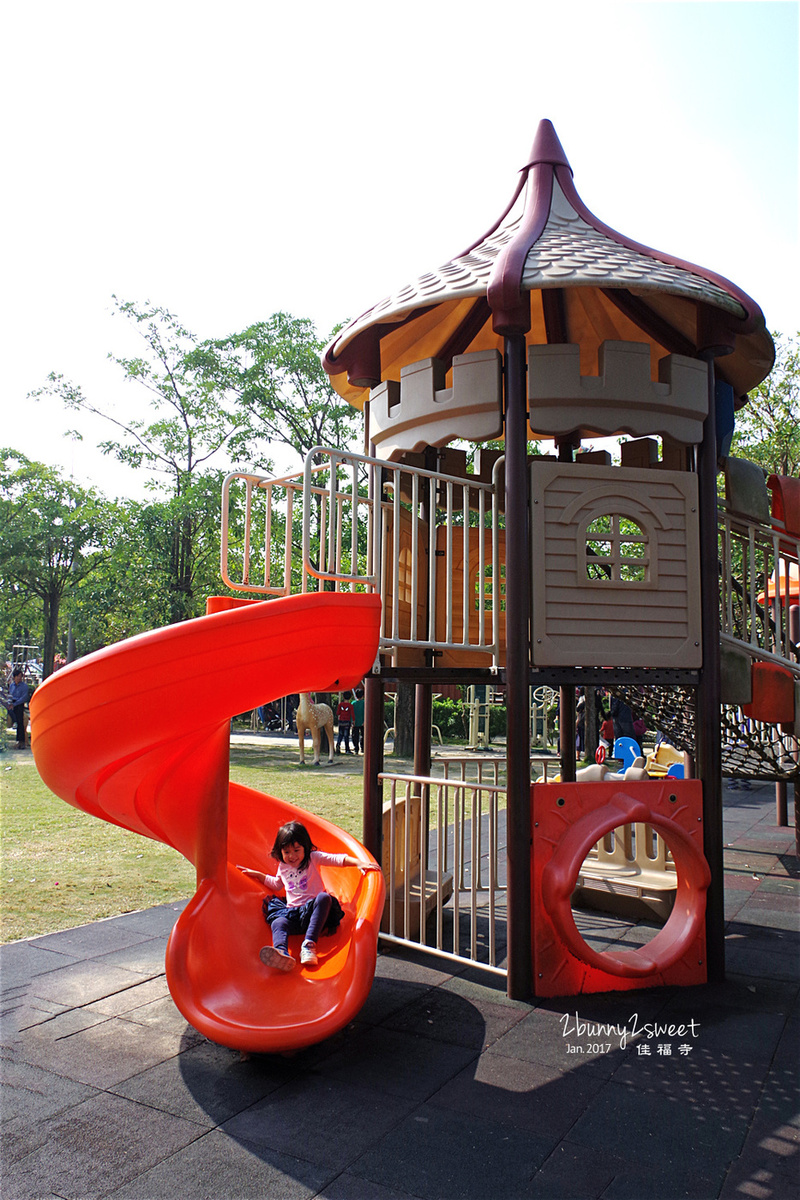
x,y
414,552
465,583
441,862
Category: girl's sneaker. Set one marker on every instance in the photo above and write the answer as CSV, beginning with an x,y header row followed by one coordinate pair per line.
x,y
271,957
308,955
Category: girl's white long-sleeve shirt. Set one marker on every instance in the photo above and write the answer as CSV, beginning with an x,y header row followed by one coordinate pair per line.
x,y
302,884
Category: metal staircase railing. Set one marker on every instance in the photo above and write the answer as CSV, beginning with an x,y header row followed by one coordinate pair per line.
x,y
428,543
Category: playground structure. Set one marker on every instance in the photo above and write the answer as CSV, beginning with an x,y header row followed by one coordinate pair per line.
x,y
499,569
551,326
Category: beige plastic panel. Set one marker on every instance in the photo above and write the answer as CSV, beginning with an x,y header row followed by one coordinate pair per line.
x,y
455,657
746,489
622,398
644,610
398,592
736,681
420,411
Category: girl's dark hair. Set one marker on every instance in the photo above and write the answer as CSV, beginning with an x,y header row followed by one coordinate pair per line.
x,y
293,831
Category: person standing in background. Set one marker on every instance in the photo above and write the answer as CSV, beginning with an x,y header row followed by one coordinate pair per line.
x,y
18,696
344,717
358,721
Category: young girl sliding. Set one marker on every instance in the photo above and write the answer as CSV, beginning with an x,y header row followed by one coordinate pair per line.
x,y
308,908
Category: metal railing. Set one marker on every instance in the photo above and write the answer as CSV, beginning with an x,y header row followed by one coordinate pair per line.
x,y
443,868
759,581
428,543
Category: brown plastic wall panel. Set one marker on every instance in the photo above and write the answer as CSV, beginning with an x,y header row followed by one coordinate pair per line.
x,y
616,599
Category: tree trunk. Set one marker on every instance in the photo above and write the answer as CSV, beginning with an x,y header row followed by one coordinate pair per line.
x,y
404,721
51,606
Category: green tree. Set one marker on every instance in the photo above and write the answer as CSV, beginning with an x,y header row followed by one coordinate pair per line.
x,y
768,427
51,532
193,420
274,370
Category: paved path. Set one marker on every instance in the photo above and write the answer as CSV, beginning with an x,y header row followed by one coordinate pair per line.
x,y
442,1088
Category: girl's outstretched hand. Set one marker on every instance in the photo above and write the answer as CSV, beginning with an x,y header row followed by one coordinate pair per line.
x,y
368,866
257,875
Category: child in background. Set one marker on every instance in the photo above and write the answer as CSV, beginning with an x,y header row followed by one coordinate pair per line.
x,y
307,908
607,733
344,717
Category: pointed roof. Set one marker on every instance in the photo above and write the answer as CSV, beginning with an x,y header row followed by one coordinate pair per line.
x,y
549,269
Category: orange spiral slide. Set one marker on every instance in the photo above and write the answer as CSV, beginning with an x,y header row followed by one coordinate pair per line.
x,y
138,734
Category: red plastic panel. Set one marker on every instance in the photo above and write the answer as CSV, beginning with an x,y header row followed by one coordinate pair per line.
x,y
568,819
773,694
786,502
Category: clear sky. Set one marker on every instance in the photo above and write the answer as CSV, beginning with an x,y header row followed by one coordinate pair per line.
x,y
230,160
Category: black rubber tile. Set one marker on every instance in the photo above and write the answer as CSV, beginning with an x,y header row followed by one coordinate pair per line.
x,y
448,1017
23,1013
127,1001
91,1148
22,961
154,922
439,1154
350,1187
33,1093
415,967
325,1122
749,993
527,1095
206,1083
92,941
556,1040
678,1179
664,1129
762,957
83,982
217,1167
570,1174
474,984
762,1176
161,1015
102,1055
715,1087
399,1064
145,957
389,996
752,1036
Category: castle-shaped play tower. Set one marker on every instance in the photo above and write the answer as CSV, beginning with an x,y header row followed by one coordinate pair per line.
x,y
554,326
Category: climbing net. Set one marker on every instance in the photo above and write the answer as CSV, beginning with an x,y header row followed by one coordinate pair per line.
x,y
750,749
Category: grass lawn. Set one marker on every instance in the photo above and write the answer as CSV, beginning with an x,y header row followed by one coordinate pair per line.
x,y
60,867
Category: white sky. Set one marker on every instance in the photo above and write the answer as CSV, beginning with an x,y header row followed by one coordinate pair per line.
x,y
230,160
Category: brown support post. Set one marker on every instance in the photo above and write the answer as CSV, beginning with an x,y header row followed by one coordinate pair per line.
x,y
709,743
423,714
781,804
518,770
566,733
566,695
373,765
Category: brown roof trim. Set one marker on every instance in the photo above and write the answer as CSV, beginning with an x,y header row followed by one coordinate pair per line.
x,y
361,358
753,318
511,310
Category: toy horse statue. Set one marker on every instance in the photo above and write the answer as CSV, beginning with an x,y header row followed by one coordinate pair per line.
x,y
314,718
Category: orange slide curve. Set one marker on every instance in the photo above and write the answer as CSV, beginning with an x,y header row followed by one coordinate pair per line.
x,y
138,734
